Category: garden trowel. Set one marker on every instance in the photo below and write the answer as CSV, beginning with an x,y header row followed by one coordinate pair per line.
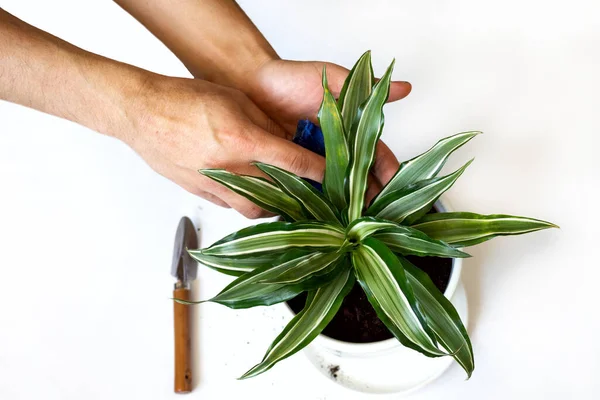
x,y
184,269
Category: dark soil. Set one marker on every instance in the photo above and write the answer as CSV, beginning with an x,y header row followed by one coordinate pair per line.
x,y
356,320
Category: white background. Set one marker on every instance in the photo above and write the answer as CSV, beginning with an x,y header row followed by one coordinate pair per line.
x,y
86,227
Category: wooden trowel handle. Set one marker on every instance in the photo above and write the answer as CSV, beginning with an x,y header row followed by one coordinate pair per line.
x,y
183,361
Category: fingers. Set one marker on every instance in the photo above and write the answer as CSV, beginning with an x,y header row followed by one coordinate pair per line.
x,y
386,164
207,196
399,90
220,195
289,156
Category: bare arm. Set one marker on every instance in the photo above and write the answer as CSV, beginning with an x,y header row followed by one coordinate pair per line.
x,y
177,125
43,72
213,38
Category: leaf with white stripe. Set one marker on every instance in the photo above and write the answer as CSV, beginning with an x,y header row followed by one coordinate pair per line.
x,y
356,89
414,201
409,241
426,165
382,277
309,197
462,229
259,191
321,306
366,226
246,292
442,317
235,266
278,237
336,148
249,290
312,265
364,136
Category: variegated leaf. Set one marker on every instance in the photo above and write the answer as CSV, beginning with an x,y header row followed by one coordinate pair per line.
x,y
408,241
364,227
235,266
336,148
383,279
259,191
249,290
312,265
278,237
309,197
321,306
462,229
356,89
441,316
365,134
426,165
246,291
413,201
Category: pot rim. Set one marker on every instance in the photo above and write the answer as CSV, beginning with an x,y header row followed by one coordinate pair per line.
x,y
339,346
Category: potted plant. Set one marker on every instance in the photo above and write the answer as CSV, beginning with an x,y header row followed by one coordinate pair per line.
x,y
331,243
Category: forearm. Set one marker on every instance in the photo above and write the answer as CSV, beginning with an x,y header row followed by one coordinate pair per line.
x,y
40,71
213,38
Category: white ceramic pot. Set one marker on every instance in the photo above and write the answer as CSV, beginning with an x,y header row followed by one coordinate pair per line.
x,y
385,366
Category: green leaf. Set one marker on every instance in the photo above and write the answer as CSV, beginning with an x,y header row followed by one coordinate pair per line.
x,y
365,134
321,306
462,229
336,148
382,277
364,227
441,317
259,191
409,241
311,265
235,266
246,291
426,165
413,201
356,89
277,237
249,290
309,197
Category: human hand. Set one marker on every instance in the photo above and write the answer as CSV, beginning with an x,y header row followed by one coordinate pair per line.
x,y
291,90
183,125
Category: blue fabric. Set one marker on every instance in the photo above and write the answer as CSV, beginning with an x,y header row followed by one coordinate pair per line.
x,y
310,136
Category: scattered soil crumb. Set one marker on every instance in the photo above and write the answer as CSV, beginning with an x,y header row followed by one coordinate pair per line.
x,y
333,370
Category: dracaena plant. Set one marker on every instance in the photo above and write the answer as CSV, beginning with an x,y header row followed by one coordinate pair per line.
x,y
329,240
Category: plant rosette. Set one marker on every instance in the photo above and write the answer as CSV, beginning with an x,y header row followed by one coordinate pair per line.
x,y
385,366
331,240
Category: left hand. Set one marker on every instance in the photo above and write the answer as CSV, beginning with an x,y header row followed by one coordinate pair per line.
x,y
289,91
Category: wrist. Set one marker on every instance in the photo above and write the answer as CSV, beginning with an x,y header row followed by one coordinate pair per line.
x,y
242,68
114,90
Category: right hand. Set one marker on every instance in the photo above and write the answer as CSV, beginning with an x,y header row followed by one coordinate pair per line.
x,y
182,125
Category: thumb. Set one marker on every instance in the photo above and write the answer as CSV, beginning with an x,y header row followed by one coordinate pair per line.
x,y
336,75
399,90
289,156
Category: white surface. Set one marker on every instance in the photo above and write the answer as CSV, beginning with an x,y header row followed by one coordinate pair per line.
x,y
86,228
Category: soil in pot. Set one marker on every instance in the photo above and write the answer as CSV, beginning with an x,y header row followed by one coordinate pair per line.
x,y
356,321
